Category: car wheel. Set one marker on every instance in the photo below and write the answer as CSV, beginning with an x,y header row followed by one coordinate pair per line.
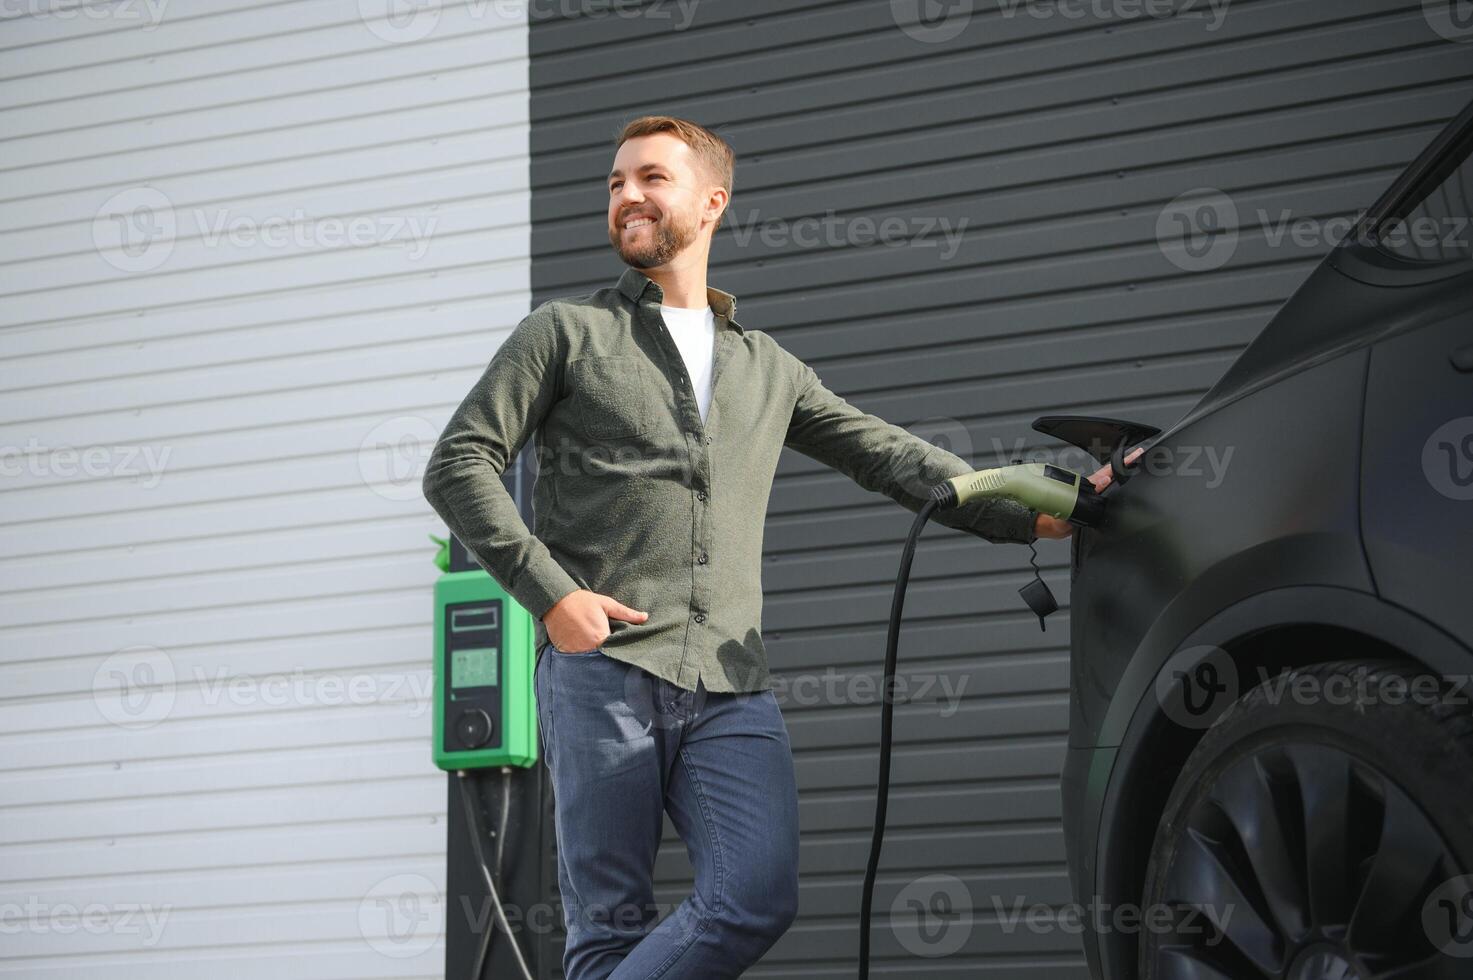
x,y
1313,830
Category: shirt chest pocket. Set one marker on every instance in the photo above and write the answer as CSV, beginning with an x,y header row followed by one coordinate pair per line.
x,y
611,396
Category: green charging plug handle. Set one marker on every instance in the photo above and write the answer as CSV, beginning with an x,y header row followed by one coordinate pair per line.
x,y
442,557
1046,488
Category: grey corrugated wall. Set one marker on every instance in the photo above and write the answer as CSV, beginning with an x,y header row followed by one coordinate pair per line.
x,y
1055,143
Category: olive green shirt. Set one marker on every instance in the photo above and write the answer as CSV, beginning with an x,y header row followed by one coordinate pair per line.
x,y
636,499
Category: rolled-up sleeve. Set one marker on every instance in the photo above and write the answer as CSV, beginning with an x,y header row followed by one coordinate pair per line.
x,y
462,480
886,458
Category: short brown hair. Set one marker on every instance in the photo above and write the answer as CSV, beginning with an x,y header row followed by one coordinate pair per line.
x,y
713,152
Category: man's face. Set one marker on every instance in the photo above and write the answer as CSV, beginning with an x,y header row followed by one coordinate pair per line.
x,y
656,184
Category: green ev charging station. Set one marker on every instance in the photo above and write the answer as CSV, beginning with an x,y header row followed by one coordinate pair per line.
x,y
485,735
485,704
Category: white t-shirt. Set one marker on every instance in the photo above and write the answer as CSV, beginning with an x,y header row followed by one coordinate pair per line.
x,y
694,332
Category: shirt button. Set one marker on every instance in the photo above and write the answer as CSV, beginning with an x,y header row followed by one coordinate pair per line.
x,y
702,559
701,495
700,617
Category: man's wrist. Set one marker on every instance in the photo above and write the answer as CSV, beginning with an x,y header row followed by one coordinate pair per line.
x,y
543,585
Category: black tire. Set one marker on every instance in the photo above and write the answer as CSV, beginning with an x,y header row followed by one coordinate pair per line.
x,y
1291,811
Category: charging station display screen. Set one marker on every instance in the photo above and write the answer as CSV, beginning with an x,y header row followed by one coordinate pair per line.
x,y
473,667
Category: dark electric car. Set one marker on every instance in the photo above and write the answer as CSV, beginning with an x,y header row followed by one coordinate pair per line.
x,y
1270,764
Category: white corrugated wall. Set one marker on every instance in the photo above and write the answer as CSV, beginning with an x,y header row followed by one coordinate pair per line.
x,y
251,255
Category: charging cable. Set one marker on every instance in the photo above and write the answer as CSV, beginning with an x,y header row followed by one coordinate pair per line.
x,y
474,824
1044,487
887,713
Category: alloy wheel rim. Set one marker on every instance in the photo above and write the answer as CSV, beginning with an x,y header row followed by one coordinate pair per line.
x,y
1255,894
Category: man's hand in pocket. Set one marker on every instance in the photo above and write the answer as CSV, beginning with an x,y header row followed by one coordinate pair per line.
x,y
579,621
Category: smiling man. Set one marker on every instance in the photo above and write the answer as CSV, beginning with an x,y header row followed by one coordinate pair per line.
x,y
659,422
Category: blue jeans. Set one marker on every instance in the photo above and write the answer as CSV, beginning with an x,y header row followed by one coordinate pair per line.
x,y
624,747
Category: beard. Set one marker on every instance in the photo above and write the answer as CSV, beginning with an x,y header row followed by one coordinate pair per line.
x,y
667,237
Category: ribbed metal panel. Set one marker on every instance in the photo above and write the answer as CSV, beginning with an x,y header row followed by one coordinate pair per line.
x,y
1058,141
281,813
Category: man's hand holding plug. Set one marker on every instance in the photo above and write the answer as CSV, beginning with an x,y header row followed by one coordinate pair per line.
x,y
1051,527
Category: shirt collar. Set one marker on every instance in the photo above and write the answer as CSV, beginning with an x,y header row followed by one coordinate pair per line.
x,y
633,283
